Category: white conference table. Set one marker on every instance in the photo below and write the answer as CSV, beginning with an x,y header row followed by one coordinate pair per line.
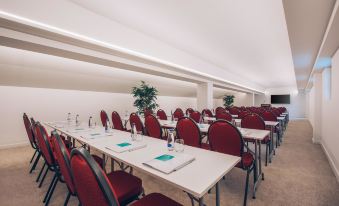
x,y
256,135
196,178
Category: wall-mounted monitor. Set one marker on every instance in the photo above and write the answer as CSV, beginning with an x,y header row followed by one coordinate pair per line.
x,y
280,99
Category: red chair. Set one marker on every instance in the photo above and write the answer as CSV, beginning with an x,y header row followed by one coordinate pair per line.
x,y
116,120
153,127
104,118
135,119
32,141
242,114
196,116
162,114
94,187
254,121
207,112
270,116
189,111
178,113
220,110
224,116
234,111
189,131
45,147
226,138
148,112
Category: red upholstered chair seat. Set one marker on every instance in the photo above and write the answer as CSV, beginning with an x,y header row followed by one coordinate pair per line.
x,y
247,160
156,199
126,186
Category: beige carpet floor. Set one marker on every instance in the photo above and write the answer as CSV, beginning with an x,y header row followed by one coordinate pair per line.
x,y
299,175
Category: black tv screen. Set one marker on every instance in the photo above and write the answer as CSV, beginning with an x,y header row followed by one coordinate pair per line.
x,y
280,99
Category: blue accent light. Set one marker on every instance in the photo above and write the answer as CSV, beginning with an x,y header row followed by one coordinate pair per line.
x,y
323,62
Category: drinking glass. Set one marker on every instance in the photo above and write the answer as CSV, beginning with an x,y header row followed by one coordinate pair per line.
x,y
179,145
140,137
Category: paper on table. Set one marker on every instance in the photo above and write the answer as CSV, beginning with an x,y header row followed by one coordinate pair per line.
x,y
95,135
126,146
168,163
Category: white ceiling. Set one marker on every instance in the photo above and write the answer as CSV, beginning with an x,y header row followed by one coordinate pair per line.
x,y
307,21
30,69
248,38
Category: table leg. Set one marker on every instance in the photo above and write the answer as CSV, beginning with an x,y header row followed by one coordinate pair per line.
x,y
201,201
104,162
217,194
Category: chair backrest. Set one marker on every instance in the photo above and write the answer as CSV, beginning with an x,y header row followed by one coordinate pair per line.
x,y
178,113
207,112
104,118
28,127
91,183
135,119
269,116
219,109
224,116
162,114
196,116
148,112
189,111
63,158
225,138
153,127
242,114
189,131
44,143
253,121
116,120
234,110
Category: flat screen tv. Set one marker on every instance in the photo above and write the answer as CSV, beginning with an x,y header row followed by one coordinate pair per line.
x,y
280,99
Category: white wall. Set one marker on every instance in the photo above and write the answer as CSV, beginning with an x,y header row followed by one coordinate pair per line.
x,y
330,116
54,104
323,111
297,106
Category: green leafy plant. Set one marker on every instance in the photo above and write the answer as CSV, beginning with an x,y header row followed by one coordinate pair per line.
x,y
145,97
228,100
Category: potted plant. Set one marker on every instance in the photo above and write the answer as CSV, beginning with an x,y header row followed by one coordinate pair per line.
x,y
228,100
145,97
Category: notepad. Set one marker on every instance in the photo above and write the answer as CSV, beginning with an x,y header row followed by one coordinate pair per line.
x,y
126,146
168,163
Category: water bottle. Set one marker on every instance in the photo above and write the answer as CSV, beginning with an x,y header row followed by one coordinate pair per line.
x,y
69,118
90,122
107,126
170,140
77,120
133,132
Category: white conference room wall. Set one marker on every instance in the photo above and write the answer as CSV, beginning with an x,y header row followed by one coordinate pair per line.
x,y
329,115
297,106
54,104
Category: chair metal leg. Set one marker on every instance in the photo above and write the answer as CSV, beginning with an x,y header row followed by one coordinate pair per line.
x,y
67,198
43,178
50,187
35,162
33,156
51,192
42,169
246,186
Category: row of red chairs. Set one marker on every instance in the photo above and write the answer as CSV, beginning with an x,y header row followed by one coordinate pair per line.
x,y
83,173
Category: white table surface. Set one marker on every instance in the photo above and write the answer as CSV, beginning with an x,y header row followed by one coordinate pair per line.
x,y
248,133
280,118
267,123
195,178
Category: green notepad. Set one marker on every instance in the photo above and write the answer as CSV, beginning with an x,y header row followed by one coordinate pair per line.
x,y
165,157
124,144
